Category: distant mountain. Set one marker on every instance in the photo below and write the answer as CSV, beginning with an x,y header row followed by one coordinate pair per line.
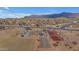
x,y
63,14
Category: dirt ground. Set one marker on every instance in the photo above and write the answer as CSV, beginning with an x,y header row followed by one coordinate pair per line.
x,y
11,40
70,41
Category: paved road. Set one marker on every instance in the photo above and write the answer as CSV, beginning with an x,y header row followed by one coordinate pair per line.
x,y
70,29
68,24
62,28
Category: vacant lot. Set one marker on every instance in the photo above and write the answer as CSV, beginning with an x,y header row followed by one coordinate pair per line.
x,y
70,41
10,39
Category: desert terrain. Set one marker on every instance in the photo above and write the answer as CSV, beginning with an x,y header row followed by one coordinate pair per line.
x,y
39,34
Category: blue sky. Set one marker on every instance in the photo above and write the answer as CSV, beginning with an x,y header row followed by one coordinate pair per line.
x,y
12,12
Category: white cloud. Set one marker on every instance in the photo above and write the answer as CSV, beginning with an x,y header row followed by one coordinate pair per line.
x,y
13,15
6,8
18,15
8,14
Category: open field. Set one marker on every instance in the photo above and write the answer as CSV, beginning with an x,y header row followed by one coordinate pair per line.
x,y
11,40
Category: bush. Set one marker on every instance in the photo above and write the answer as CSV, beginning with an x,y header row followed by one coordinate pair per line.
x,y
74,43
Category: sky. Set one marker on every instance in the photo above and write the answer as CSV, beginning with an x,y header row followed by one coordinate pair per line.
x,y
13,12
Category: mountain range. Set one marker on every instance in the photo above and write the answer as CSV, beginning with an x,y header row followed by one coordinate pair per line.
x,y
63,14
